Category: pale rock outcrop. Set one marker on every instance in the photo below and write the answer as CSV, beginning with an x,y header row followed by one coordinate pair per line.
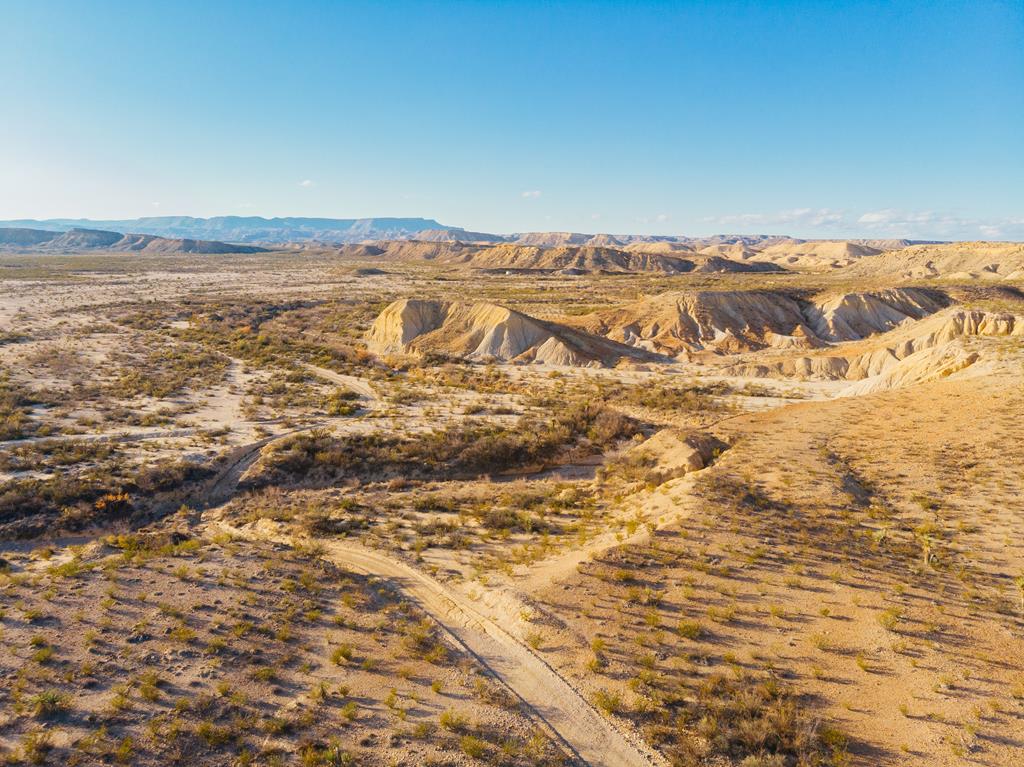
x,y
926,365
734,322
485,331
988,261
851,316
673,323
919,351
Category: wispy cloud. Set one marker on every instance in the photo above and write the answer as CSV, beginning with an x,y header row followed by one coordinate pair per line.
x,y
930,223
884,222
660,218
812,217
530,194
306,183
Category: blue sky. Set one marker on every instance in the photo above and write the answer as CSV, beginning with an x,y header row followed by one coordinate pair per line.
x,y
813,119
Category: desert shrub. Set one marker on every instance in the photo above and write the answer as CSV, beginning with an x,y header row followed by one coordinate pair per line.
x,y
744,718
167,370
341,402
48,703
462,449
453,721
608,701
168,475
15,409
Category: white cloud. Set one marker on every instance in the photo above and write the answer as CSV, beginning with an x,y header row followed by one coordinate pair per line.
x,y
530,194
816,217
660,218
883,222
306,184
155,204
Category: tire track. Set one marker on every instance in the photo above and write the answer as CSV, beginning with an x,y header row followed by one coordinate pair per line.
x,y
584,731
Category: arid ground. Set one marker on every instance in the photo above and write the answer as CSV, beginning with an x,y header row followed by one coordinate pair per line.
x,y
426,503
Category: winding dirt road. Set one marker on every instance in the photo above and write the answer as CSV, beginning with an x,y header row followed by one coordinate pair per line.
x,y
583,730
484,628
359,385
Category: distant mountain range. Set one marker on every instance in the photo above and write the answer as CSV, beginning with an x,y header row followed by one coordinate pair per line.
x,y
253,229
76,240
271,232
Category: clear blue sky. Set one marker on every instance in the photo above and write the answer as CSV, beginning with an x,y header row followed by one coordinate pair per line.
x,y
809,118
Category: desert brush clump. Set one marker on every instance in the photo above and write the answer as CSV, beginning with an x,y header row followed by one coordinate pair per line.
x,y
252,620
458,450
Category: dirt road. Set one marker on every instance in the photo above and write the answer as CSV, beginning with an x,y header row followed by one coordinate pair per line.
x,y
589,735
359,385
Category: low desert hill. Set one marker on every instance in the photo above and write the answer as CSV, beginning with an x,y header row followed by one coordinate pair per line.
x,y
455,235
95,239
580,259
946,343
813,255
569,259
957,261
485,331
553,239
412,250
736,321
661,246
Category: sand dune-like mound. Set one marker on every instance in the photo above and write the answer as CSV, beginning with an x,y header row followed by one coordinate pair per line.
x,y
486,331
962,261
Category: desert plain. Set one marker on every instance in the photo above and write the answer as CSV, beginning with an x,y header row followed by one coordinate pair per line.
x,y
555,500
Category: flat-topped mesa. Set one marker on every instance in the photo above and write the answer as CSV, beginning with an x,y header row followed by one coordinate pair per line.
x,y
484,331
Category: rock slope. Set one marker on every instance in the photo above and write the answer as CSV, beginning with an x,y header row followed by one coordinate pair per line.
x,y
987,261
484,331
741,321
